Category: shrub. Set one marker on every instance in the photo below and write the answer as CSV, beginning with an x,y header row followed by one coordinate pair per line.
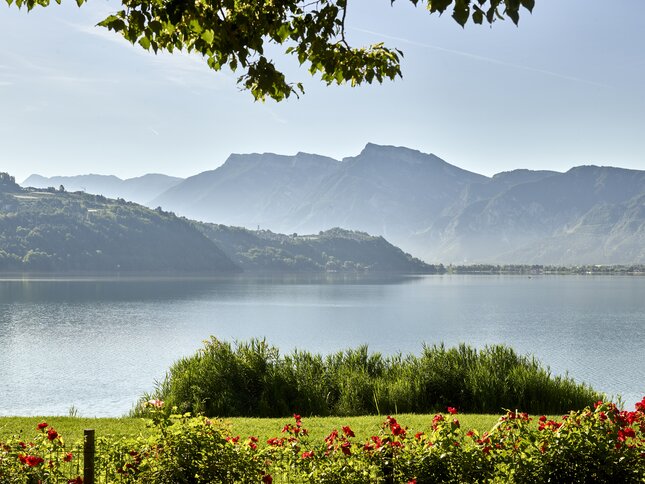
x,y
603,445
41,459
252,379
183,449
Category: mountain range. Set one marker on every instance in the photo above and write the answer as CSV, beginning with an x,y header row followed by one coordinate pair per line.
x,y
139,190
435,210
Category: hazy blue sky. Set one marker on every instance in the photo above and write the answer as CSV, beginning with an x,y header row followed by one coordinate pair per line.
x,y
565,88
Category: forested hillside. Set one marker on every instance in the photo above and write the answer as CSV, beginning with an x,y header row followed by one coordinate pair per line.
x,y
56,231
43,231
334,250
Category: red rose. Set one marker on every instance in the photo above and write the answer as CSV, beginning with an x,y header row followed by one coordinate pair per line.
x,y
377,440
345,447
34,460
348,432
41,426
331,437
640,406
452,410
267,479
52,434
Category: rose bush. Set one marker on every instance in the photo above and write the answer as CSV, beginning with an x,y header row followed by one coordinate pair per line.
x,y
599,444
40,460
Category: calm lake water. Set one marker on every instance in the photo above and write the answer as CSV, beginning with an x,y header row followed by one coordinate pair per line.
x,y
98,344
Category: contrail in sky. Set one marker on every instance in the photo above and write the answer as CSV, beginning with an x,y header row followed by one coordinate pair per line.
x,y
482,58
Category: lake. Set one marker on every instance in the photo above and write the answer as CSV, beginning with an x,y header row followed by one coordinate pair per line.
x,y
96,344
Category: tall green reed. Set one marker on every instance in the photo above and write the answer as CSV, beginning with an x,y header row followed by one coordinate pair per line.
x,y
252,379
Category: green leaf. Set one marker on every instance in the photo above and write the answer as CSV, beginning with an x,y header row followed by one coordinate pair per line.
x,y
208,36
113,23
438,5
139,20
461,13
195,26
144,42
490,15
283,32
515,17
155,26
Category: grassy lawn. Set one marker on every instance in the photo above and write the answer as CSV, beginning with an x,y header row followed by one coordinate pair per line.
x,y
71,428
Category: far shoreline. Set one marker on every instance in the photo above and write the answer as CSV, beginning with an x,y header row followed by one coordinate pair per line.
x,y
446,270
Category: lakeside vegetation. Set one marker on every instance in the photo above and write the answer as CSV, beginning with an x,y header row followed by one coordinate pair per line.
x,y
538,269
252,379
600,444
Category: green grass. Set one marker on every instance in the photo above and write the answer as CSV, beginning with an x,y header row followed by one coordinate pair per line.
x,y
71,428
363,427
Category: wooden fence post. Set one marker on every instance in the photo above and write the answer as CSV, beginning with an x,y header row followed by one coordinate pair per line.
x,y
388,467
89,451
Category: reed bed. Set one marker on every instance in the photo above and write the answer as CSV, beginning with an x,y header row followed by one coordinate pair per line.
x,y
252,379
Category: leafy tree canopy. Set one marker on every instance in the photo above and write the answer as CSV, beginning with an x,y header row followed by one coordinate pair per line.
x,y
235,33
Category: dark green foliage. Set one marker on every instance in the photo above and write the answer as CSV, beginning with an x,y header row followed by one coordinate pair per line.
x,y
8,183
252,379
42,231
334,250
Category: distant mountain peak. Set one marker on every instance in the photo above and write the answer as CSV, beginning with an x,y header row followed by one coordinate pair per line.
x,y
376,149
267,157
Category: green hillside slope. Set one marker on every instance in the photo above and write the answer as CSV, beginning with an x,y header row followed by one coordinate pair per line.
x,y
43,231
